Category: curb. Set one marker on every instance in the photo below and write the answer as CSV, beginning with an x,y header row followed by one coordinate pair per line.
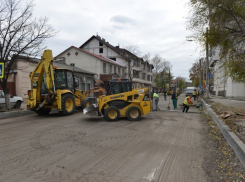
x,y
236,144
12,114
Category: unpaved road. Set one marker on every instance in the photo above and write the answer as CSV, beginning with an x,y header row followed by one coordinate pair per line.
x,y
162,146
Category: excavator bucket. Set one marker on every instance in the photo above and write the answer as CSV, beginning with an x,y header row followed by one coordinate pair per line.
x,y
91,110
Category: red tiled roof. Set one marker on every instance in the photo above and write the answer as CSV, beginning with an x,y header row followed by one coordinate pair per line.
x,y
94,55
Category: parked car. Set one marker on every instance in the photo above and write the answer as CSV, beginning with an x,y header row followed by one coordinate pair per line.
x,y
15,101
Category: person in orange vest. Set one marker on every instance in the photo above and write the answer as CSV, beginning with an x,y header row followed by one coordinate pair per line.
x,y
187,103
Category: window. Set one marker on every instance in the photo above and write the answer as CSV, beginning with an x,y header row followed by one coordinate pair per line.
x,y
110,71
72,64
119,70
135,74
148,77
143,76
101,50
135,63
149,68
114,59
123,71
115,69
151,78
104,67
88,86
70,81
101,44
143,66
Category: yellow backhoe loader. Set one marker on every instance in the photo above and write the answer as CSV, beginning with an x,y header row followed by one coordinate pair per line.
x,y
54,88
122,101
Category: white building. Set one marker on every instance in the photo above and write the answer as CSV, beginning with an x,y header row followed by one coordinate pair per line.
x,y
104,68
223,85
139,70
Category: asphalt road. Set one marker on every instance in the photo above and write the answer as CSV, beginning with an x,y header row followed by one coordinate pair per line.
x,y
162,146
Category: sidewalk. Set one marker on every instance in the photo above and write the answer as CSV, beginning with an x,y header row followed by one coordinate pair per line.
x,y
228,102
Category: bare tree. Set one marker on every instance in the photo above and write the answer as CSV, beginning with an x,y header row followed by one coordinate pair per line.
x,y
20,34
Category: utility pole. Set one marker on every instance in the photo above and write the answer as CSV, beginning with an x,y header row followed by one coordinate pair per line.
x,y
207,65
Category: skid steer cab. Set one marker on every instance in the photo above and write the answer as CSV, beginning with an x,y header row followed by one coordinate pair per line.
x,y
122,101
54,88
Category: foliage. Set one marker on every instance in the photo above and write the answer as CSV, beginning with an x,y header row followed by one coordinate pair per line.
x,y
20,34
194,73
226,22
180,82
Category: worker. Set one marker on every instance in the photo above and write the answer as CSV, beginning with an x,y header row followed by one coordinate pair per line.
x,y
198,94
155,101
174,99
194,94
165,94
186,103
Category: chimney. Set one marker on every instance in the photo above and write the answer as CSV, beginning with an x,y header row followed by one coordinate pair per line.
x,y
103,39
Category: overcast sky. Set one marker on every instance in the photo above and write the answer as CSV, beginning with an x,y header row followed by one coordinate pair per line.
x,y
156,26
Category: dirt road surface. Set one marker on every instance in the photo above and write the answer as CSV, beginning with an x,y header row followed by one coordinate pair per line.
x,y
162,146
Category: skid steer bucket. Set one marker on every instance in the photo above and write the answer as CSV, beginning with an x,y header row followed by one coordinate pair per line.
x,y
91,110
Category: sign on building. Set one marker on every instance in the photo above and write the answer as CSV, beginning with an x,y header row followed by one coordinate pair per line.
x,y
1,70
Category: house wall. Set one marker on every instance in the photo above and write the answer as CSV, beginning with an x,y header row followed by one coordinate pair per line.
x,y
93,46
224,86
22,80
83,61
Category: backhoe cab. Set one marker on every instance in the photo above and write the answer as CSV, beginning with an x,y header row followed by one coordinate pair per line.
x,y
122,101
53,88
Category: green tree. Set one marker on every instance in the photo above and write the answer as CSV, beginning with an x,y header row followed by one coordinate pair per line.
x,y
226,22
20,34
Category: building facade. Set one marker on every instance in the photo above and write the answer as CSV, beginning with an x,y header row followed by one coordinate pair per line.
x,y
104,68
137,70
223,85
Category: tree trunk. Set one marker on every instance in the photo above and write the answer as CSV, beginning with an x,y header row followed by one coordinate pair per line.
x,y
7,101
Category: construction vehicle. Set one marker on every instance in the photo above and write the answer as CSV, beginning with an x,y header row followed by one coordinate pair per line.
x,y
95,90
54,88
122,101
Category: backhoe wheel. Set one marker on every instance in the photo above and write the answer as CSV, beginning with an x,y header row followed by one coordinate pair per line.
x,y
67,104
112,113
85,103
133,113
42,111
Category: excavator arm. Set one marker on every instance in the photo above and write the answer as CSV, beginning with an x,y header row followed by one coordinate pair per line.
x,y
44,70
95,89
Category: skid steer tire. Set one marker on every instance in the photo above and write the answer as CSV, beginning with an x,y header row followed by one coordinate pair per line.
x,y
67,104
133,113
112,113
85,103
42,112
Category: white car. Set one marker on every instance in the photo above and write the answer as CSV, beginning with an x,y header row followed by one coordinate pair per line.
x,y
15,101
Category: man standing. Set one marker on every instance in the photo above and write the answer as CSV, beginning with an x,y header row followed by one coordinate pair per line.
x,y
194,94
155,101
186,103
165,94
174,99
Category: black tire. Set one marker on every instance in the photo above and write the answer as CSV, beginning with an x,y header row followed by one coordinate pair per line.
x,y
85,103
42,112
112,113
67,104
133,113
17,104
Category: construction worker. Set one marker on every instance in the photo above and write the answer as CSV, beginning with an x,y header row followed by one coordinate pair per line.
x,y
165,94
194,94
174,99
155,101
186,103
